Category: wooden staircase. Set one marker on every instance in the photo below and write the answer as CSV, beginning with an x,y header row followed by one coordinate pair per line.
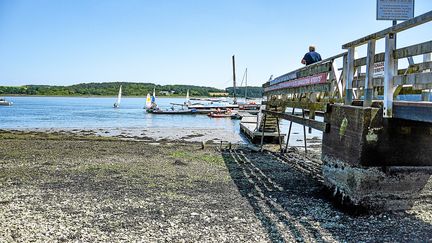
x,y
271,121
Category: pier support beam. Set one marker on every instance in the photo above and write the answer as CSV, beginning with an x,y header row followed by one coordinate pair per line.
x,y
368,91
390,69
379,163
427,94
349,76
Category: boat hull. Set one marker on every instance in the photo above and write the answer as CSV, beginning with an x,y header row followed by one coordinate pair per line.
x,y
215,115
5,103
162,112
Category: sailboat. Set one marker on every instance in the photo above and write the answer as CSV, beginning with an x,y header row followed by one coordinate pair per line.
x,y
187,102
117,103
148,104
251,105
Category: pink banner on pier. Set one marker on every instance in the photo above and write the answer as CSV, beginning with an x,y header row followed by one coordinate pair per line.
x,y
315,79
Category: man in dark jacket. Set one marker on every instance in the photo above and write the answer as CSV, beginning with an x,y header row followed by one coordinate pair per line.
x,y
311,56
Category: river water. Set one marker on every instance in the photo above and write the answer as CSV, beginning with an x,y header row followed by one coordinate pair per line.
x,y
73,112
67,113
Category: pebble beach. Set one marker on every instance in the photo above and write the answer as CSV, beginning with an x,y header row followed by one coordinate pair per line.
x,y
69,188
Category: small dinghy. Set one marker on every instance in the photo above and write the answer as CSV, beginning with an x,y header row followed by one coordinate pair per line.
x,y
171,112
4,102
218,115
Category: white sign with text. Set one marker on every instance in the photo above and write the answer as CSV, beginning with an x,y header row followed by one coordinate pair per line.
x,y
378,70
395,9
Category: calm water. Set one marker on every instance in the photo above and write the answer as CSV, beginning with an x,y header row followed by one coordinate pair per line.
x,y
95,113
72,112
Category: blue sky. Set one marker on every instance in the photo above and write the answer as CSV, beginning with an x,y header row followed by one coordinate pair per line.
x,y
177,42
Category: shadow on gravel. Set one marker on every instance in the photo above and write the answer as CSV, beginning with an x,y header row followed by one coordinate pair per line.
x,y
288,197
276,193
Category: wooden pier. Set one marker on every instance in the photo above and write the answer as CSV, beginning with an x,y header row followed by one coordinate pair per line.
x,y
249,127
375,151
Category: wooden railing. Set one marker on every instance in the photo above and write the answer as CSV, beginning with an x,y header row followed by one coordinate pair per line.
x,y
314,86
393,78
310,87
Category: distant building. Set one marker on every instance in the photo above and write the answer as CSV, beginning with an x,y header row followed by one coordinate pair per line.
x,y
218,94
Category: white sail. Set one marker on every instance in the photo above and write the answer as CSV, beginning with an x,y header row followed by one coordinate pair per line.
x,y
148,102
119,95
117,103
154,93
187,96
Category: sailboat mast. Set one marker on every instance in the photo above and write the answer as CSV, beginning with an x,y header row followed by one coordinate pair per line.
x,y
246,85
234,79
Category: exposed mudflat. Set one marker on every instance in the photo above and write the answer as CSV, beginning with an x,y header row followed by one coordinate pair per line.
x,y
72,188
159,134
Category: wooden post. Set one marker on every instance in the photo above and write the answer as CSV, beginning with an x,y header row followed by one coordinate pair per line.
x,y
335,79
234,80
427,94
262,135
427,57
343,74
349,76
289,131
368,90
279,136
389,72
304,132
311,115
357,91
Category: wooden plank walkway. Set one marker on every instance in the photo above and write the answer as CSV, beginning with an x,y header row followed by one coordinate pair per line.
x,y
248,127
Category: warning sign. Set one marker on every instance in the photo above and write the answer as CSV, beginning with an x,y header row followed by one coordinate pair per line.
x,y
395,9
378,70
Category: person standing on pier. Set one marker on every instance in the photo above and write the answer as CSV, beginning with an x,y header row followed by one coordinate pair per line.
x,y
311,57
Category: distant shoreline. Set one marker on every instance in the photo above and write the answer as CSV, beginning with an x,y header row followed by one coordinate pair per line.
x,y
129,90
104,96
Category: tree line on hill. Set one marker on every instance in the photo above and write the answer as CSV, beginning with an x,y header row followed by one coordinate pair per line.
x,y
128,89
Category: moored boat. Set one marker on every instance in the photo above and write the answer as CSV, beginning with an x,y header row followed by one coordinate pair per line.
x,y
212,106
148,104
236,116
4,102
172,112
219,115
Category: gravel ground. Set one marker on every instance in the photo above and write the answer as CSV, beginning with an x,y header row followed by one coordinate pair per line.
x,y
65,188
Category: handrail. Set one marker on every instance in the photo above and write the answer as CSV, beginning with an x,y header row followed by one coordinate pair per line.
x,y
421,19
308,67
408,51
322,61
